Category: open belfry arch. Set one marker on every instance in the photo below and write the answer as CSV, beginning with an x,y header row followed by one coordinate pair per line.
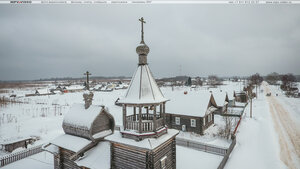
x,y
144,104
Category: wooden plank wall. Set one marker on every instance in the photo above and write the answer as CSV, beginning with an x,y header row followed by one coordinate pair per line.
x,y
123,157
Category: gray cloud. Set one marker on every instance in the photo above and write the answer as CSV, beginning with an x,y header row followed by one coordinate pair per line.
x,y
42,41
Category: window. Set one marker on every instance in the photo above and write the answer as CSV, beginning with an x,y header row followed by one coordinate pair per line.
x,y
163,162
193,122
203,120
209,118
177,120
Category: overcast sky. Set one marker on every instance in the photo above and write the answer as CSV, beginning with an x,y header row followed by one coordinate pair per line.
x,y
43,41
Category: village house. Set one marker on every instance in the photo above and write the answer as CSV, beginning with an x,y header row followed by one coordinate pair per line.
x,y
191,112
222,101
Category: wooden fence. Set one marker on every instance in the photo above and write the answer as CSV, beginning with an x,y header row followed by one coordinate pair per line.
x,y
201,146
229,150
10,158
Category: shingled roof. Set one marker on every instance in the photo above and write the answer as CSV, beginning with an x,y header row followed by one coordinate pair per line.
x,y
143,88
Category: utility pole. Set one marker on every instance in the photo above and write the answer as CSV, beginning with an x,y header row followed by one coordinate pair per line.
x,y
250,106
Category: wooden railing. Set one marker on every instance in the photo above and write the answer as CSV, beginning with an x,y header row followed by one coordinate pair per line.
x,y
146,125
144,117
7,159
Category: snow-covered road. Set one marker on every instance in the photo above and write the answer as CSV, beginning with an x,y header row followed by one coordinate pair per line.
x,y
257,140
287,129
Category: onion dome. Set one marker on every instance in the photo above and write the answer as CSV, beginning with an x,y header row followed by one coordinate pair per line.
x,y
142,49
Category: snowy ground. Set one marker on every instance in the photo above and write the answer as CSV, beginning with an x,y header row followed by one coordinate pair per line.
x,y
285,113
187,158
42,116
43,160
271,138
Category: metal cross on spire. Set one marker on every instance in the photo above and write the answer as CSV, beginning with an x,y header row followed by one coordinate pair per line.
x,y
142,23
87,73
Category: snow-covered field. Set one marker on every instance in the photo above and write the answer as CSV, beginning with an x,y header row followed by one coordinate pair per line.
x,y
42,115
258,144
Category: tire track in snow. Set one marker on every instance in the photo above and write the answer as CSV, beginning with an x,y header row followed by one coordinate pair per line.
x,y
289,134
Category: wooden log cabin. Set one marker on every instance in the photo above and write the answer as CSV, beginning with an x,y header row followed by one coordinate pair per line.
x,y
85,127
191,112
222,101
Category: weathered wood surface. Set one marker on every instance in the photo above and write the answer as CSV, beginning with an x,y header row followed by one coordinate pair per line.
x,y
124,156
10,158
65,162
144,123
186,120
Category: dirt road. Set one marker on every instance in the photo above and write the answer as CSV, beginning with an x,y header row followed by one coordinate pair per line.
x,y
289,134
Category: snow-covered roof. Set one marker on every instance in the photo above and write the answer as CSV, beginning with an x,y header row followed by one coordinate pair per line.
x,y
149,143
81,117
97,157
75,87
230,94
220,97
51,148
194,103
240,104
143,88
70,142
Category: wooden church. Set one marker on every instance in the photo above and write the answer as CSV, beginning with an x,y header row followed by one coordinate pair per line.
x,y
144,141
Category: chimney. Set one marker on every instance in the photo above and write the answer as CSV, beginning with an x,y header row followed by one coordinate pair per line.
x,y
88,98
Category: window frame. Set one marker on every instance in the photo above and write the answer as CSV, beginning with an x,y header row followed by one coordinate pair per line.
x,y
193,122
177,120
163,160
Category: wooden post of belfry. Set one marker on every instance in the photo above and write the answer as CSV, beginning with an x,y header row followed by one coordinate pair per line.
x,y
154,118
160,111
164,113
140,119
134,113
147,113
124,116
87,73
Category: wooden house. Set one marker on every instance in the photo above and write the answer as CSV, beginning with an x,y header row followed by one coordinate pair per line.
x,y
85,127
193,112
222,101
241,97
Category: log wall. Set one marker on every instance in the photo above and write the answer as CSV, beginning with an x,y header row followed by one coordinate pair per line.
x,y
124,156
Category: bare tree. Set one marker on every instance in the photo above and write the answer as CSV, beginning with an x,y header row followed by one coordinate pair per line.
x,y
256,80
272,78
